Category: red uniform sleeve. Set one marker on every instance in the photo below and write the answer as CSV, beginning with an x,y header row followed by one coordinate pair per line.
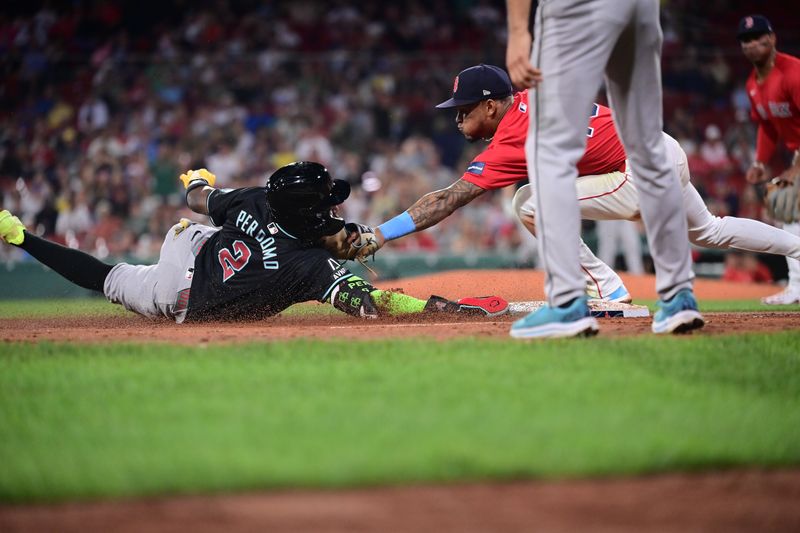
x,y
492,179
497,168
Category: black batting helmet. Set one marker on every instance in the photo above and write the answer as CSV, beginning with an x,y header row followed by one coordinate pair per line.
x,y
302,195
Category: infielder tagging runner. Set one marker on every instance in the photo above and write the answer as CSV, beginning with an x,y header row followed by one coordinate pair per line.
x,y
606,186
774,91
577,43
274,248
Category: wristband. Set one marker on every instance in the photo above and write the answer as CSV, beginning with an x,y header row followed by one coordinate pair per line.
x,y
196,183
400,225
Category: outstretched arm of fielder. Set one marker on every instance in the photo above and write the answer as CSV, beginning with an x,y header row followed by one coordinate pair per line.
x,y
426,212
438,205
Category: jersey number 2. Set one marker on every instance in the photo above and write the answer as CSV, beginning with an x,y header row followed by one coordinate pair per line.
x,y
233,262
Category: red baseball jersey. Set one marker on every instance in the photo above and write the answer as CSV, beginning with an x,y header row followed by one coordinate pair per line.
x,y
775,106
503,162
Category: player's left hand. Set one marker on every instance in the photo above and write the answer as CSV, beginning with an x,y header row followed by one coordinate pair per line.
x,y
364,240
518,61
354,241
201,174
757,173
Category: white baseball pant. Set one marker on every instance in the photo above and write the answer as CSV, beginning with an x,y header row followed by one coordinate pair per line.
x,y
614,196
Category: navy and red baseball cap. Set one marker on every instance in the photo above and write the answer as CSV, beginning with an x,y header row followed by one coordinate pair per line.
x,y
477,83
752,25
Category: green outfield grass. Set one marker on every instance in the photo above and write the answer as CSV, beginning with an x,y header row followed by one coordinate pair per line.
x,y
101,307
68,307
119,420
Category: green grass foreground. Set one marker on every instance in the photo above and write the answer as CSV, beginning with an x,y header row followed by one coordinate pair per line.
x,y
115,420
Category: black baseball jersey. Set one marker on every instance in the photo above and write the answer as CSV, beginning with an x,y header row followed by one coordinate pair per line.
x,y
253,268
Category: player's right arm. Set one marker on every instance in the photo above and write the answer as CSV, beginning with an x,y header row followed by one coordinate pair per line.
x,y
766,139
197,199
199,185
766,143
428,210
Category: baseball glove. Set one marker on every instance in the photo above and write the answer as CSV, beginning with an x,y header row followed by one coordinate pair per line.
x,y
362,240
783,200
350,242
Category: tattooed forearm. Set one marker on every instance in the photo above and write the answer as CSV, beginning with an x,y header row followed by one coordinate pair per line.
x,y
438,205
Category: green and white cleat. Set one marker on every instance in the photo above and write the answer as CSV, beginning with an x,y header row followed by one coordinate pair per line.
x,y
12,230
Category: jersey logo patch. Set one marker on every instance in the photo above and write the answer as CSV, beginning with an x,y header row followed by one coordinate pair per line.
x,y
338,268
780,109
272,228
523,107
476,167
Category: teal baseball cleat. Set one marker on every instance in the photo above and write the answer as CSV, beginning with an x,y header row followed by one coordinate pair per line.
x,y
552,322
678,314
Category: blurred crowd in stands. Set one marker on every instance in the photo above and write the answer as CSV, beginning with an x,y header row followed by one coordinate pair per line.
x,y
104,103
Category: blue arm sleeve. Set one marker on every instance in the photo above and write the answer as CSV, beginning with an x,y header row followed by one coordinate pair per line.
x,y
400,225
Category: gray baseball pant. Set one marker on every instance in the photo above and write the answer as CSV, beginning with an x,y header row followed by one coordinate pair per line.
x,y
160,290
576,43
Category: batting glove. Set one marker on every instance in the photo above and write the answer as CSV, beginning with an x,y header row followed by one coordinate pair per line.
x,y
198,175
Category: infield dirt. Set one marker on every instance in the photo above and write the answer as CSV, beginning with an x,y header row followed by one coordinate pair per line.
x,y
513,285
730,502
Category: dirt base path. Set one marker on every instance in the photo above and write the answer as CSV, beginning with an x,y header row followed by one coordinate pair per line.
x,y
140,330
742,501
524,285
514,285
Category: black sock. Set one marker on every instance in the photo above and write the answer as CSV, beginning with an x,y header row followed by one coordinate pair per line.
x,y
78,267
